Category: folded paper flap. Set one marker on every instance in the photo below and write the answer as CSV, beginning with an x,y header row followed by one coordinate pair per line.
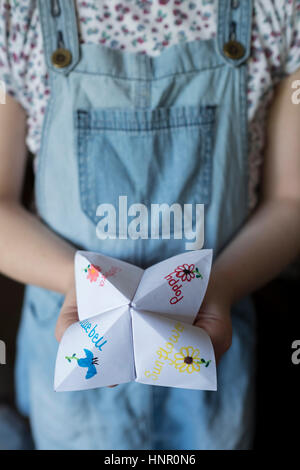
x,y
103,283
175,286
96,352
127,315
172,353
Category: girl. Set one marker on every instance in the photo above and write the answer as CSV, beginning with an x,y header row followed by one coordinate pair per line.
x,y
167,101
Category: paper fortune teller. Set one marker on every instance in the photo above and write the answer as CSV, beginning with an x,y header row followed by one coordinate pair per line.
x,y
137,325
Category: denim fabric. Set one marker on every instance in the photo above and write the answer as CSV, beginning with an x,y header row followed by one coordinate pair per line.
x,y
14,433
170,141
165,129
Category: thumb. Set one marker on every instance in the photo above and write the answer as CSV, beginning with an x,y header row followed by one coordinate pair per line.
x,y
66,318
220,334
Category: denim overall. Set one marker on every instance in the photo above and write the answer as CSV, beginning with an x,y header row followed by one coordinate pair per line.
x,y
165,129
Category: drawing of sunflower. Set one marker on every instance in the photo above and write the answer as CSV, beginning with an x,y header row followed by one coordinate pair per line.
x,y
188,360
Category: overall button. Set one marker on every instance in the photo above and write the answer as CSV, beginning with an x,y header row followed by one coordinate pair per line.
x,y
61,58
234,50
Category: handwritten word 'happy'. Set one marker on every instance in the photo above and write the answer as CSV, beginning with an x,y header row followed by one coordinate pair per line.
x,y
174,284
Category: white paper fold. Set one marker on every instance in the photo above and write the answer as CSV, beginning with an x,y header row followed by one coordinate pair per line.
x,y
96,352
172,353
137,325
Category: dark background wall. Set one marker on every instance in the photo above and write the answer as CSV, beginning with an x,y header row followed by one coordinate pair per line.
x,y
11,298
11,295
278,410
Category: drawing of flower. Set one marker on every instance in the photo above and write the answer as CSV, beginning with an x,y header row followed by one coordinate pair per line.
x,y
92,272
185,360
188,360
185,272
95,272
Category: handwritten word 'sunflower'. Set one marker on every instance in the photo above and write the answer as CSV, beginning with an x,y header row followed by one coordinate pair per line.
x,y
163,353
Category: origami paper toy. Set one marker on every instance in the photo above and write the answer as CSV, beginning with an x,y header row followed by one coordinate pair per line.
x,y
137,325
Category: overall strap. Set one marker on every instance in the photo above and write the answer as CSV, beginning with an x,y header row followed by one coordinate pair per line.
x,y
234,30
60,34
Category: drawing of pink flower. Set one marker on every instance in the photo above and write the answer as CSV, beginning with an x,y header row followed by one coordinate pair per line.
x,y
95,273
92,273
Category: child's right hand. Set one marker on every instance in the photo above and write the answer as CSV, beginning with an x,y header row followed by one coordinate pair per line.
x,y
68,315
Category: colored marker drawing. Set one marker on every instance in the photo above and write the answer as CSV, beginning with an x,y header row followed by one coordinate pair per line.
x,y
184,273
89,362
188,360
187,272
95,272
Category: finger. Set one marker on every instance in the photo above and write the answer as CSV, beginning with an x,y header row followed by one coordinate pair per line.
x,y
220,336
65,320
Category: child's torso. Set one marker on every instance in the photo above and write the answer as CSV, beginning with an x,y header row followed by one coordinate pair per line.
x,y
146,27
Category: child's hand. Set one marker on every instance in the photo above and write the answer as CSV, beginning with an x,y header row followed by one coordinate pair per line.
x,y
215,318
68,315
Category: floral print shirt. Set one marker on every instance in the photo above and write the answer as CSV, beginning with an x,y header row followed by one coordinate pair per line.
x,y
148,27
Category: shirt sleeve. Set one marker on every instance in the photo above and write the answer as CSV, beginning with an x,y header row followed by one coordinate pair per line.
x,y
14,26
291,61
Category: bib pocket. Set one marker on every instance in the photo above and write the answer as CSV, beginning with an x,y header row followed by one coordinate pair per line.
x,y
44,305
151,156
